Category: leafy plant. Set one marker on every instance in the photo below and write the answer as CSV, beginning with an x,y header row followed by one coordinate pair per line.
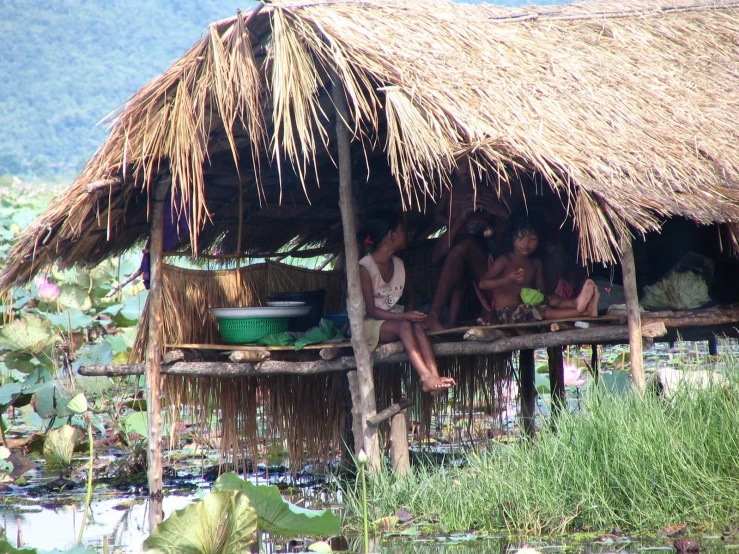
x,y
221,523
278,516
59,445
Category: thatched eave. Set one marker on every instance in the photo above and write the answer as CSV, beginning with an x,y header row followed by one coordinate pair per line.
x,y
621,106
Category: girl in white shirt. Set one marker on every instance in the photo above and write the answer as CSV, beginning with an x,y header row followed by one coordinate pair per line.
x,y
383,281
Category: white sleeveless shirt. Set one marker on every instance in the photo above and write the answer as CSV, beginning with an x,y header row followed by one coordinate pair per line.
x,y
386,294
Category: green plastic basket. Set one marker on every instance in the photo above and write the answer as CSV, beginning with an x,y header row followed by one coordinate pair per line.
x,y
245,330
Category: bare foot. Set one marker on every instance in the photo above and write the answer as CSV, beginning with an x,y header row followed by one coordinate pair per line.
x,y
592,309
586,294
432,323
435,384
486,318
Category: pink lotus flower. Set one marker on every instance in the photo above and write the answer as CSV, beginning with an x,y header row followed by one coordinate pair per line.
x,y
46,291
572,376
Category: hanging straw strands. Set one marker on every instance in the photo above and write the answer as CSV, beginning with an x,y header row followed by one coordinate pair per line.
x,y
624,101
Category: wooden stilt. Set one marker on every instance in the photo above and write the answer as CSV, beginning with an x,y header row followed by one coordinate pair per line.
x,y
594,365
154,349
363,397
713,346
556,379
399,452
345,428
527,390
628,268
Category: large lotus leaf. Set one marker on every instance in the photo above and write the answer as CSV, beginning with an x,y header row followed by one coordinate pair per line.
x,y
93,387
97,353
7,548
72,296
221,523
8,393
78,549
59,445
51,401
128,312
21,361
28,334
74,317
278,516
136,422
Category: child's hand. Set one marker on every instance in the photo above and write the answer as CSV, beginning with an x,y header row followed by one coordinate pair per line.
x,y
516,276
415,316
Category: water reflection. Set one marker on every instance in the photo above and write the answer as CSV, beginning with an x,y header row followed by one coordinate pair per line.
x,y
125,523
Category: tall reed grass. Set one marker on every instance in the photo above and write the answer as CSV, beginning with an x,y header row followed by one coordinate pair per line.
x,y
621,461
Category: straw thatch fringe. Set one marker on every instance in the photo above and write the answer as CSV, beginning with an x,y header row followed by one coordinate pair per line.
x,y
255,418
617,103
189,293
481,389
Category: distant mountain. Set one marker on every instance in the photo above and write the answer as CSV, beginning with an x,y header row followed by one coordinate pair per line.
x,y
69,63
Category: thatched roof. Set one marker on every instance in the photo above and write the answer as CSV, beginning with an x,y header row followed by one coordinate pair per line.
x,y
626,108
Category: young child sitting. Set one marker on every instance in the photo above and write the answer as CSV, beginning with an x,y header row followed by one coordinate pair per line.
x,y
519,271
383,281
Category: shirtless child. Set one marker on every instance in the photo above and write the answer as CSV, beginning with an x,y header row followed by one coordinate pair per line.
x,y
519,269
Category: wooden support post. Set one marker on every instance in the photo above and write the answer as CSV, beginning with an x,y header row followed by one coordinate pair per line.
x,y
400,458
158,194
594,363
363,394
556,379
527,390
628,269
713,346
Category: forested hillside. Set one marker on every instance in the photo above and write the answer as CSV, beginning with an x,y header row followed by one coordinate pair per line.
x,y
67,64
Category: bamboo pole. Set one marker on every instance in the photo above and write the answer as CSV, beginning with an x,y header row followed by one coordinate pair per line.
x,y
633,315
363,394
154,353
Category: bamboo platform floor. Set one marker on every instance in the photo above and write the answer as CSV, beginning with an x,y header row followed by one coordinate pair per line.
x,y
207,360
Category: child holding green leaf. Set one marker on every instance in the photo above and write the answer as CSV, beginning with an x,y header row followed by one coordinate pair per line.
x,y
516,280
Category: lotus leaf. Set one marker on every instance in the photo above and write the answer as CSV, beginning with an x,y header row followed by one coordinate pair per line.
x,y
532,297
8,548
75,318
23,362
78,404
59,445
276,515
136,422
222,522
79,549
51,401
28,334
320,546
72,296
8,393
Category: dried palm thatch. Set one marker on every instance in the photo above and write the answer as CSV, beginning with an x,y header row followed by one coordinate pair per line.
x,y
253,414
621,106
189,293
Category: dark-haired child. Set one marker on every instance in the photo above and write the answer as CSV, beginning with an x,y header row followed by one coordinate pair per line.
x,y
520,269
382,278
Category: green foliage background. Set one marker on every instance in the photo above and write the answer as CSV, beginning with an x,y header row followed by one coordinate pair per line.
x,y
67,64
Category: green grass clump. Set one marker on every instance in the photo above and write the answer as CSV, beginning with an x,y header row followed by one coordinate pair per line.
x,y
638,464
